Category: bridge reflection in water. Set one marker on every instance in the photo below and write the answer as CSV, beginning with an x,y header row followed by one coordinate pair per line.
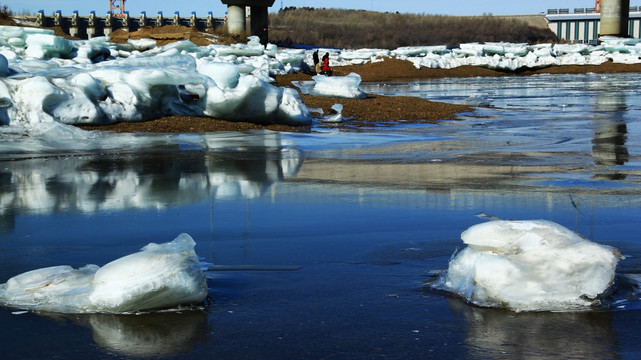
x,y
609,148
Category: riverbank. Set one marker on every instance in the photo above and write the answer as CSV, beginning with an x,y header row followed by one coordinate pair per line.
x,y
372,110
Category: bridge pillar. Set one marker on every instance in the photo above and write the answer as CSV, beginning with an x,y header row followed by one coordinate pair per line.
x,y
91,25
235,19
73,29
108,24
143,19
259,19
210,21
57,18
176,18
159,19
125,21
614,17
40,18
236,23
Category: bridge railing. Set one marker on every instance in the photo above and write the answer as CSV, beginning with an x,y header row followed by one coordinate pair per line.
x,y
565,11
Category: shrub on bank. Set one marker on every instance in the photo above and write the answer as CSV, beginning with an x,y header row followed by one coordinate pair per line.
x,y
5,12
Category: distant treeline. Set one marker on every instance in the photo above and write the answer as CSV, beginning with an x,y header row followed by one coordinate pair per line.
x,y
5,12
368,29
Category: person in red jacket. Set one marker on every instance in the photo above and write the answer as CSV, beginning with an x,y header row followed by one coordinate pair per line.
x,y
326,69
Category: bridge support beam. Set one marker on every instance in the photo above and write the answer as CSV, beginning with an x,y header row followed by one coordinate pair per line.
x,y
614,17
235,19
236,23
259,19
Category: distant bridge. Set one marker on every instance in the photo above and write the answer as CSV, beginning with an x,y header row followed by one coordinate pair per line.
x,y
243,16
87,27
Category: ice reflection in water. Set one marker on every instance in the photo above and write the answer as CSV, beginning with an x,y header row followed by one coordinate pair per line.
x,y
166,177
149,335
496,334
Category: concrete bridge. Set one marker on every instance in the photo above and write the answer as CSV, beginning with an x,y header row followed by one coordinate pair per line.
x,y
237,15
87,27
243,16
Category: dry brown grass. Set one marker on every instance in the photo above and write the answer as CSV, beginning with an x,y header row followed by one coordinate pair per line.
x,y
369,29
5,12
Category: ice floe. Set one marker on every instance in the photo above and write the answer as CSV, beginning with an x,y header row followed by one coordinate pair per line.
x,y
530,266
509,56
160,276
333,86
335,116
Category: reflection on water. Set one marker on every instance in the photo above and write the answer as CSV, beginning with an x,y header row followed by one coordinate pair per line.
x,y
546,119
151,334
95,183
538,92
146,335
610,134
499,334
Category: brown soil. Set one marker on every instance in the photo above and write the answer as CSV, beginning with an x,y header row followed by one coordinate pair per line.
x,y
383,109
394,69
7,22
372,110
170,33
189,124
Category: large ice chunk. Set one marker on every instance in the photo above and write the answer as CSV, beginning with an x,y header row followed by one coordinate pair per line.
x,y
292,110
292,57
363,54
338,86
160,276
35,98
252,48
258,101
41,46
142,44
225,75
420,50
530,266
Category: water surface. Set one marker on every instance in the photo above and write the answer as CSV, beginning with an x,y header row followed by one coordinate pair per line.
x,y
334,232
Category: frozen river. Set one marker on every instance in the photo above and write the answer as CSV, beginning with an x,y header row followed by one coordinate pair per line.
x,y
332,234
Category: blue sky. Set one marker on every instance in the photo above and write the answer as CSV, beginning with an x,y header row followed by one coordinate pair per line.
x,y
185,7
